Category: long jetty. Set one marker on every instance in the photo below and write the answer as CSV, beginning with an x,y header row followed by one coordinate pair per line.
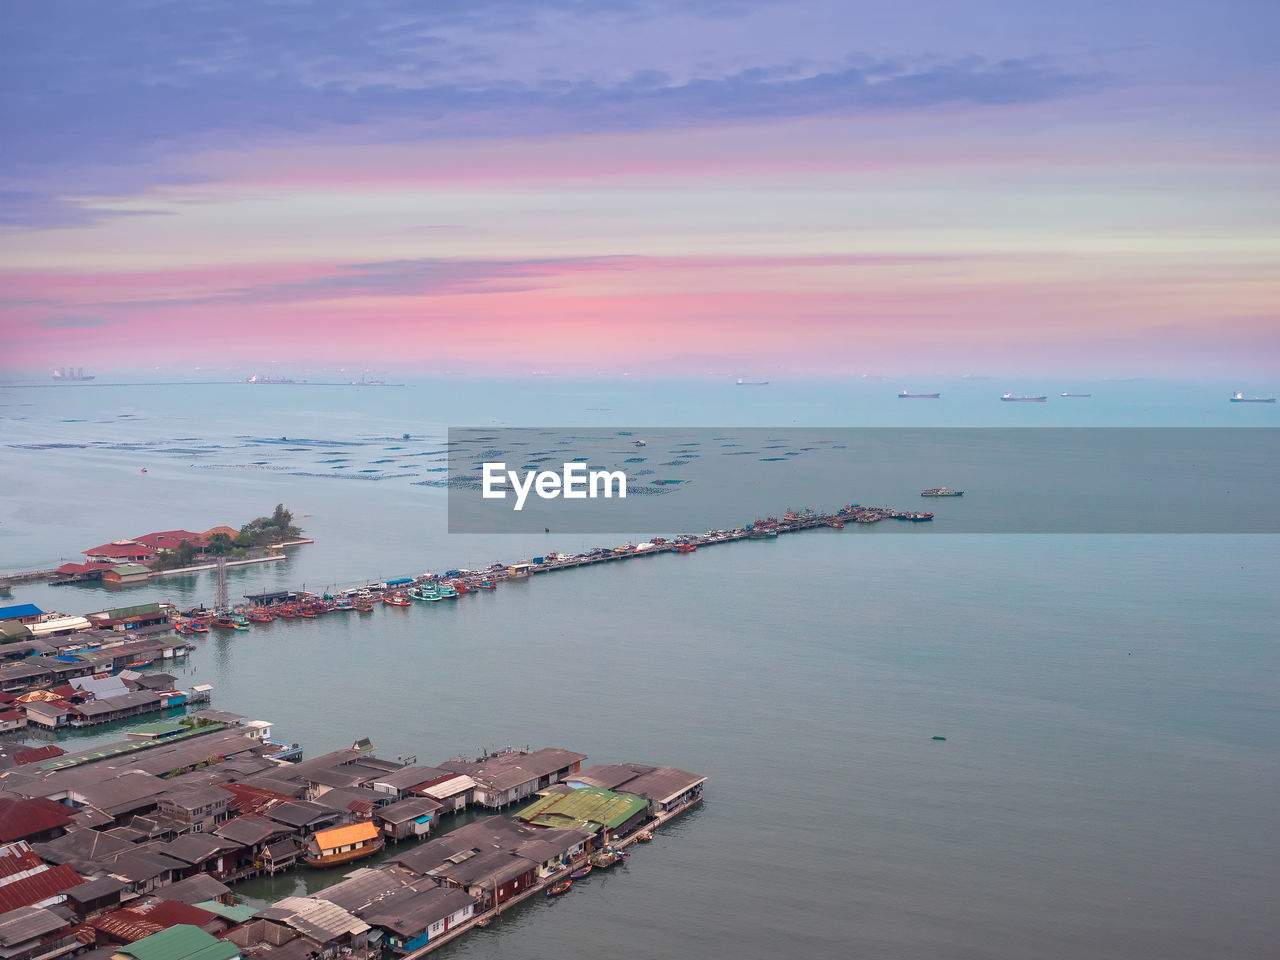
x,y
466,580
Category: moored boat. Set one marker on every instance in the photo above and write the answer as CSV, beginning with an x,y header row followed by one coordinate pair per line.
x,y
559,888
396,599
338,845
427,592
580,872
941,492
644,836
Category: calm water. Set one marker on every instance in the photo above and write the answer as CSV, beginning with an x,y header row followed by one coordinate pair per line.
x,y
1107,787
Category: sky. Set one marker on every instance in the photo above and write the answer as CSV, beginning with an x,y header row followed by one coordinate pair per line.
x,y
597,187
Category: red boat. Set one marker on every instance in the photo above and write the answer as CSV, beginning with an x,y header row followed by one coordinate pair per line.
x,y
686,547
561,887
261,615
396,599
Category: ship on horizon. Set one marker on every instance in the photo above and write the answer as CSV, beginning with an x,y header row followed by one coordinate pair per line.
x,y
1077,394
1241,398
71,375
752,383
918,396
1010,398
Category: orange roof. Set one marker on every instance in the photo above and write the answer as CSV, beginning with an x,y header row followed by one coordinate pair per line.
x,y
342,836
34,696
231,532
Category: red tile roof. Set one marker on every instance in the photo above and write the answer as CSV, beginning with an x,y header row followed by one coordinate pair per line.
x,y
27,818
121,550
169,539
89,567
38,887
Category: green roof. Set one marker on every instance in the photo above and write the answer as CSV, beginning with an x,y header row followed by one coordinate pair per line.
x,y
126,569
241,913
141,609
14,630
586,805
181,942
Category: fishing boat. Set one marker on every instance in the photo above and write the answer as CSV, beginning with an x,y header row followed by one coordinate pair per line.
x,y
427,592
685,547
396,599
485,585
137,664
338,845
580,872
448,591
941,492
234,621
1010,398
261,615
559,888
604,860
644,836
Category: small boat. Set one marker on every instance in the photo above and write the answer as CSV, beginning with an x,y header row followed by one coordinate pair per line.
x,y
603,861
686,547
396,599
1010,398
144,469
482,922
580,872
918,396
559,888
941,492
139,663
644,836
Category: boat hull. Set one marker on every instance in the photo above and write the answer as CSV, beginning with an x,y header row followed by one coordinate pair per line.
x,y
321,861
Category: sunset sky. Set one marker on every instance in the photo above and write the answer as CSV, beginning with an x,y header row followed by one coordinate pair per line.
x,y
603,186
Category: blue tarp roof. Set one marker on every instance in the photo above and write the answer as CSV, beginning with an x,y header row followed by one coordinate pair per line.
x,y
21,610
392,583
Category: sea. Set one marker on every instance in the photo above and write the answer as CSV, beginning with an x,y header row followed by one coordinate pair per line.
x,y
1107,786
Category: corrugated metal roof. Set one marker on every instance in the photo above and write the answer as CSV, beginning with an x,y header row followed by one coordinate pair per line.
x,y
315,917
181,942
27,923
448,788
585,805
20,610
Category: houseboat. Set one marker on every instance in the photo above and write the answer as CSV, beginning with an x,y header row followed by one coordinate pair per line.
x,y
329,848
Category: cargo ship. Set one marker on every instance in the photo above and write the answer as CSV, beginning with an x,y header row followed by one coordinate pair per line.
x,y
941,492
918,396
71,375
1077,394
1241,398
752,383
1010,398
